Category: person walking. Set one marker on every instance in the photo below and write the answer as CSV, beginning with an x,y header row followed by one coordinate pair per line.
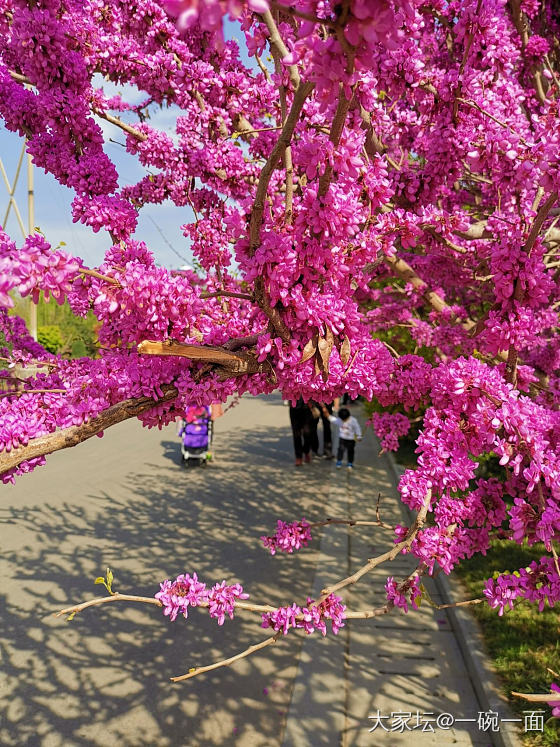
x,y
315,410
326,418
301,420
349,432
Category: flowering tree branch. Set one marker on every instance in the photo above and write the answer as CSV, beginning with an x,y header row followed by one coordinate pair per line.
x,y
518,292
64,438
392,240
387,556
302,93
280,48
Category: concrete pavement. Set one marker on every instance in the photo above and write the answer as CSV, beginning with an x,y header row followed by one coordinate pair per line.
x,y
400,671
123,501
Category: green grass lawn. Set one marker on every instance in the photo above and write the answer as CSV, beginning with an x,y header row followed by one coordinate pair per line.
x,y
522,643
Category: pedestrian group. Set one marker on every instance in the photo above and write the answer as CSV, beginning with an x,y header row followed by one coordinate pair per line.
x,y
304,419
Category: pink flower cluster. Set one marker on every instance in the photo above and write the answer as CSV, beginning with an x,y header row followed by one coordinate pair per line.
x,y
554,703
176,597
311,617
538,583
404,593
389,428
288,537
34,267
222,598
209,13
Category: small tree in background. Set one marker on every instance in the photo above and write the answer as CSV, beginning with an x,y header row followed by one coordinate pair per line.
x,y
50,338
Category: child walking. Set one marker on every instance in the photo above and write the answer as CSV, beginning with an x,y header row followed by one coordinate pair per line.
x,y
349,432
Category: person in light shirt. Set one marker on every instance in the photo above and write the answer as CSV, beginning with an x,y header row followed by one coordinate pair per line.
x,y
349,432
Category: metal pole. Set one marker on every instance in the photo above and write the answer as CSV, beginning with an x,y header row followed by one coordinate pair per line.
x,y
31,230
11,189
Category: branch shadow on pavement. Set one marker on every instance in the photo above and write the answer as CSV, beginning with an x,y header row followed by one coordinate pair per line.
x,y
103,679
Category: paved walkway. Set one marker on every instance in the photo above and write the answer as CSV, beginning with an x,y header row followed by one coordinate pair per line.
x,y
123,501
399,669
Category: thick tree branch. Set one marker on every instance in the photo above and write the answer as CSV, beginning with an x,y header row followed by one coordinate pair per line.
x,y
75,434
300,97
540,218
403,270
304,90
241,342
235,363
334,136
287,155
277,42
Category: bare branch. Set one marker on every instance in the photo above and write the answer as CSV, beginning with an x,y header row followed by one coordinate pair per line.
x,y
138,134
350,523
552,697
98,275
229,294
20,78
227,662
387,556
116,597
263,69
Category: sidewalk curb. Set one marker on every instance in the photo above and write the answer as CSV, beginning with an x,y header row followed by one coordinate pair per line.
x,y
471,644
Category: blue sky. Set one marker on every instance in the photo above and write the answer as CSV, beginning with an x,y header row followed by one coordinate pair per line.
x,y
158,225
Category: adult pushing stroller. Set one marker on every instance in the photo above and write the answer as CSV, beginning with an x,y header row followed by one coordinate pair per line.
x,y
196,435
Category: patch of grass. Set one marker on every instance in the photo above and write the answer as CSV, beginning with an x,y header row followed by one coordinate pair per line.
x,y
522,643
406,454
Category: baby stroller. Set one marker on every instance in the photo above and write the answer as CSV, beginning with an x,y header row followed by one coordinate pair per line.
x,y
196,434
